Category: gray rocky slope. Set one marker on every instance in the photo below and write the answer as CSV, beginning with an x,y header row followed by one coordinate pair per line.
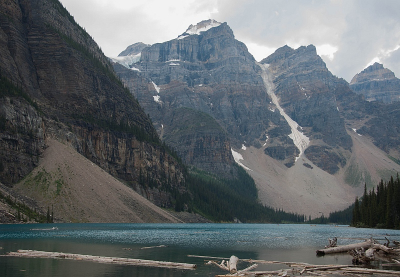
x,y
287,119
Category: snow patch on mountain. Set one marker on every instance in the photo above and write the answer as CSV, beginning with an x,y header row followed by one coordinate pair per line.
x,y
127,61
157,88
238,158
157,99
299,139
199,28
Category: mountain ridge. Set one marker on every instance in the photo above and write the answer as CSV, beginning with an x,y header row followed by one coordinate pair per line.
x,y
322,104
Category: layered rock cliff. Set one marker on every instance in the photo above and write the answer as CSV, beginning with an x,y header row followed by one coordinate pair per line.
x,y
200,141
377,83
63,87
204,69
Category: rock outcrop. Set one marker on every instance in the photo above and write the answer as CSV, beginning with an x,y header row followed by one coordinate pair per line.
x,y
377,83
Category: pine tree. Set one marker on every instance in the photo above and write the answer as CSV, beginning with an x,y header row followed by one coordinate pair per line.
x,y
389,204
364,207
356,213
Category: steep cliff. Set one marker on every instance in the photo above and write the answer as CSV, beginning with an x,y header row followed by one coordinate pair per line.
x,y
306,90
204,69
377,83
200,141
63,87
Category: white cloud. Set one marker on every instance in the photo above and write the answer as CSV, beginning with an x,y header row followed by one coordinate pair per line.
x,y
259,52
327,50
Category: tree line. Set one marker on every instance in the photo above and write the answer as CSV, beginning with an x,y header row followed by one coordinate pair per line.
x,y
222,200
380,209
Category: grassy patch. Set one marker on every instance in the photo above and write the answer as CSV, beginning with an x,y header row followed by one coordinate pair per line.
x,y
353,176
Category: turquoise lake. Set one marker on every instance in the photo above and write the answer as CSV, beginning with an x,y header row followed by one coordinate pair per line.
x,y
283,242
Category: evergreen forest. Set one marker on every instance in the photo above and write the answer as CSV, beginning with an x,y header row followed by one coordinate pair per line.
x,y
380,208
222,200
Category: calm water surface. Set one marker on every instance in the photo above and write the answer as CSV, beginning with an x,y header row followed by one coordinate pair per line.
x,y
289,243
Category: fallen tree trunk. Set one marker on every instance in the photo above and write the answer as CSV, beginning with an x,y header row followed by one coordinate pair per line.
x,y
232,264
345,248
99,259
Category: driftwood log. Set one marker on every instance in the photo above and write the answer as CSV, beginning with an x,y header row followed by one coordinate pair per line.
x,y
99,259
299,269
345,248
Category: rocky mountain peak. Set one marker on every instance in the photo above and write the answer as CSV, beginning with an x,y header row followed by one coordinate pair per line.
x,y
133,49
373,72
200,27
377,83
303,53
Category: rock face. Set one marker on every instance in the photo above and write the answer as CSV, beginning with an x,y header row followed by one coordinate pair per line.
x,y
307,92
204,69
60,85
377,83
199,140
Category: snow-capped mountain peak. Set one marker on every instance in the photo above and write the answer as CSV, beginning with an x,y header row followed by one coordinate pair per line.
x,y
202,26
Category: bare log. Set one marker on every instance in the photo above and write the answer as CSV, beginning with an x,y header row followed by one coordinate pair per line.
x,y
151,247
382,247
232,264
221,266
370,271
99,259
345,248
247,269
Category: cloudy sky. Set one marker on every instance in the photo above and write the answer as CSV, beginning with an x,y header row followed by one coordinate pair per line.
x,y
349,34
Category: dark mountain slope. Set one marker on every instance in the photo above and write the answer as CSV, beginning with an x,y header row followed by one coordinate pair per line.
x,y
61,86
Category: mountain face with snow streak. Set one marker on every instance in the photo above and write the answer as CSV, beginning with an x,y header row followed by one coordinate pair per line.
x,y
377,83
286,118
211,72
306,90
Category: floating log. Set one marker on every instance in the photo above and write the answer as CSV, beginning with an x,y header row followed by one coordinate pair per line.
x,y
99,259
151,247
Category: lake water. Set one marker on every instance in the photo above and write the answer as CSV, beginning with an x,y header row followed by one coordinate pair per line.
x,y
289,243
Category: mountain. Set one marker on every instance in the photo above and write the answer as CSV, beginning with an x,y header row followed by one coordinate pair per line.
x,y
377,83
56,84
204,69
130,55
290,122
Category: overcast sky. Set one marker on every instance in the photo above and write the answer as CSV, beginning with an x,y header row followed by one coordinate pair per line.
x,y
349,34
